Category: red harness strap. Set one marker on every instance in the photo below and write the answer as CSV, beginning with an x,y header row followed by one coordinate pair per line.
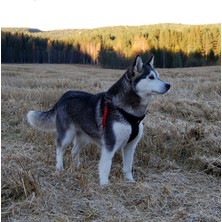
x,y
105,113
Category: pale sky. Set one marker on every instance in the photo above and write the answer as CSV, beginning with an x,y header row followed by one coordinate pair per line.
x,y
72,14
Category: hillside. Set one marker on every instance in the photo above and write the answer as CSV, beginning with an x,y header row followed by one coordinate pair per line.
x,y
174,45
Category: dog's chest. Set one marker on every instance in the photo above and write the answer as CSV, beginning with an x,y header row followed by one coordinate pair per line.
x,y
134,122
121,131
129,130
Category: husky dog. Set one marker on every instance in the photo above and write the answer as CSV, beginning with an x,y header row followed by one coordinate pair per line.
x,y
111,119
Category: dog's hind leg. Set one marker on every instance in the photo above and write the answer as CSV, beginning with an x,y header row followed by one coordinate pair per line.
x,y
128,154
63,140
78,144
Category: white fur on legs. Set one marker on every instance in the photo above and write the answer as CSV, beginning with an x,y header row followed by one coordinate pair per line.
x,y
128,154
121,135
76,160
78,144
59,158
105,165
69,135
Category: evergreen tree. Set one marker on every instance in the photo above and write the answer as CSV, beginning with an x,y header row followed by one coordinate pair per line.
x,y
114,47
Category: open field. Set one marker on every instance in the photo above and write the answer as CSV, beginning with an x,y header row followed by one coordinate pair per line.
x,y
177,163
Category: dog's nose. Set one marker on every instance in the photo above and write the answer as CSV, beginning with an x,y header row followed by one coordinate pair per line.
x,y
168,86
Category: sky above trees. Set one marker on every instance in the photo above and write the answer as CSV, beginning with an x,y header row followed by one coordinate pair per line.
x,y
68,14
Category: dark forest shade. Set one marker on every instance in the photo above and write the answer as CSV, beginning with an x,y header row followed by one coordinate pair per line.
x,y
114,47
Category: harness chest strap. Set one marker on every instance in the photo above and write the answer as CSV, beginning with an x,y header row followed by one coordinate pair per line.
x,y
134,121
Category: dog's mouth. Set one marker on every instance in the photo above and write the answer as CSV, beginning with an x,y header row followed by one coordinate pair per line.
x,y
155,92
160,93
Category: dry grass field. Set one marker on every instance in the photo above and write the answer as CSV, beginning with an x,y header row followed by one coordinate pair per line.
x,y
177,162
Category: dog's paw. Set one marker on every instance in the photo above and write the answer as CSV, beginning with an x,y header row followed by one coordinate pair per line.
x,y
77,164
129,177
104,182
131,181
59,168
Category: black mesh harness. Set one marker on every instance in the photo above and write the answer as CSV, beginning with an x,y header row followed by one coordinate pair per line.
x,y
134,121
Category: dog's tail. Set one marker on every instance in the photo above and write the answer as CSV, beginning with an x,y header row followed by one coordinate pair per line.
x,y
45,121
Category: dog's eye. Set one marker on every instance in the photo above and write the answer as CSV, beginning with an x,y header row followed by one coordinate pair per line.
x,y
151,77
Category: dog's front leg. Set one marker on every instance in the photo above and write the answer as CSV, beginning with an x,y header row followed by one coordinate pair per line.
x,y
128,154
105,165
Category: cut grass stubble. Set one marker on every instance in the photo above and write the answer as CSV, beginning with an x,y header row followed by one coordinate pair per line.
x,y
177,162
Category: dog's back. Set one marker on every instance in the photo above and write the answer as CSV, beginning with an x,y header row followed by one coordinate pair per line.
x,y
74,107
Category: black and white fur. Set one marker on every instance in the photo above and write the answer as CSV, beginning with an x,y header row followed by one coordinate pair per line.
x,y
77,118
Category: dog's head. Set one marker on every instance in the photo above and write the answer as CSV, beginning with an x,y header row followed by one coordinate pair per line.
x,y
145,79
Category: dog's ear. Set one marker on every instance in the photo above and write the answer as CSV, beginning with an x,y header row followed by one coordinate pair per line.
x,y
150,61
135,69
138,64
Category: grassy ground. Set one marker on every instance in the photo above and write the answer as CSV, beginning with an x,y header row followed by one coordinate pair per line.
x,y
177,163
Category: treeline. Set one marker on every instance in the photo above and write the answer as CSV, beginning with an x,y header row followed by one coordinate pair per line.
x,y
24,48
115,47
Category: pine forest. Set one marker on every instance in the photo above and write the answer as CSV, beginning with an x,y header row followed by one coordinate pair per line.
x,y
174,45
